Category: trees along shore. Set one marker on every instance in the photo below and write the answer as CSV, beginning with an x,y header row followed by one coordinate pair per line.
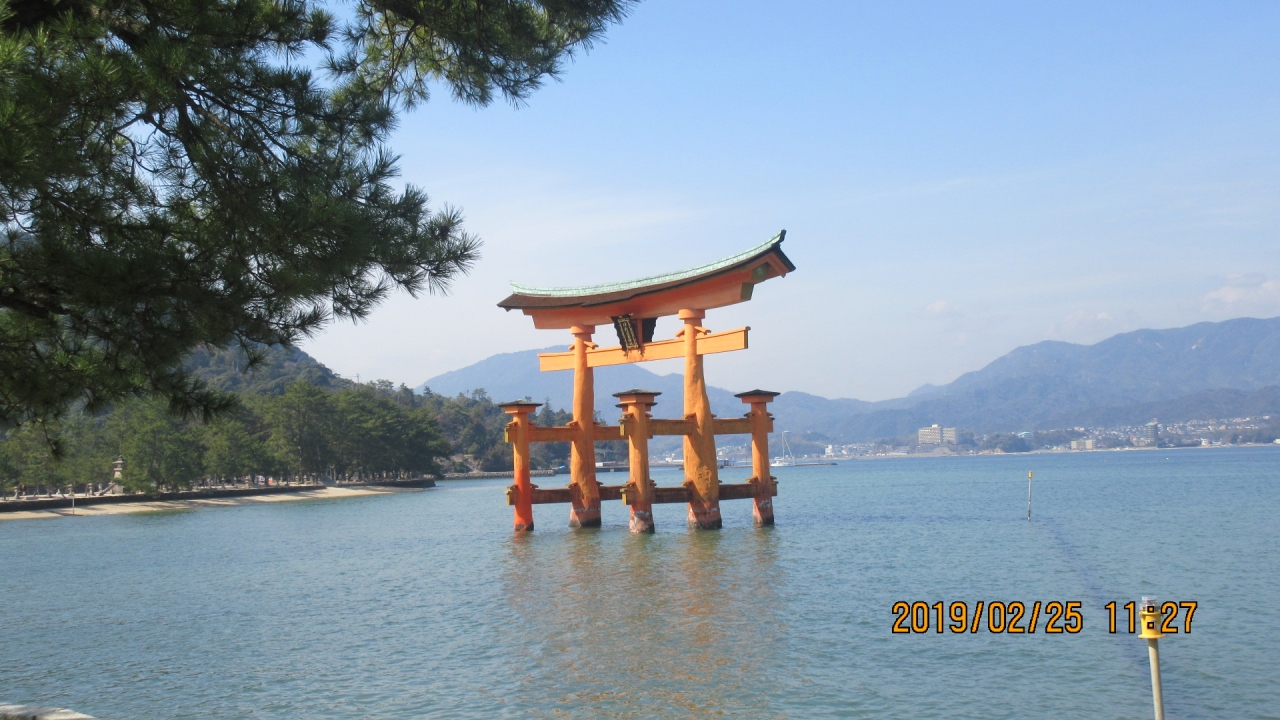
x,y
357,432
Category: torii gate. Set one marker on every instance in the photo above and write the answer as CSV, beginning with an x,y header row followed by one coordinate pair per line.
x,y
633,309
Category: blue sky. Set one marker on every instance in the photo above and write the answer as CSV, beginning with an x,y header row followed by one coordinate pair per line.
x,y
955,179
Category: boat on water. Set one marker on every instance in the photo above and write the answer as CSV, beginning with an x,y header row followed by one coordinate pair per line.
x,y
789,460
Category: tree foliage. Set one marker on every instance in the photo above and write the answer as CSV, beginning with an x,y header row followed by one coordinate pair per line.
x,y
356,432
178,173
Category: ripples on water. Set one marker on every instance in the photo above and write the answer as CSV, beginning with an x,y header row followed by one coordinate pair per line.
x,y
422,605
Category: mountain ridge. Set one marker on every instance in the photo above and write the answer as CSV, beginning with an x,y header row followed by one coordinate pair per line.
x,y
1209,365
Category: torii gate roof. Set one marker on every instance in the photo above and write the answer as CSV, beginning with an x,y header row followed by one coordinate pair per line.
x,y
724,282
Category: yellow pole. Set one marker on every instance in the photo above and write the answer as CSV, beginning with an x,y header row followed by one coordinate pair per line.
x,y
1029,476
1151,617
585,508
701,475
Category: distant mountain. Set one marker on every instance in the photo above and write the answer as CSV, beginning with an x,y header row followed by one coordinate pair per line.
x,y
1133,376
1146,365
1206,370
224,370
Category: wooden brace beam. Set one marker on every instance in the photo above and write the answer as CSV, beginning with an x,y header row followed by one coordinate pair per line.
x,y
677,494
565,433
726,341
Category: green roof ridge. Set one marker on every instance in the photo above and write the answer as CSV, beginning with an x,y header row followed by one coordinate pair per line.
x,y
652,279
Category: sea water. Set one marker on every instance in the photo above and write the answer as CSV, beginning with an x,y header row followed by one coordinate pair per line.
x,y
424,604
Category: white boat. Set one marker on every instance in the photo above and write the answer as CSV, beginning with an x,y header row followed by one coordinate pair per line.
x,y
789,460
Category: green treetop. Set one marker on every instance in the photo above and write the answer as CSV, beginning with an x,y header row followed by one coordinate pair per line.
x,y
176,174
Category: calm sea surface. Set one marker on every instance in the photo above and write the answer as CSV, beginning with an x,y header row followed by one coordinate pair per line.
x,y
423,604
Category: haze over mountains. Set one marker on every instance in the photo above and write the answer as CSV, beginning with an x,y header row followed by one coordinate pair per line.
x,y
1202,371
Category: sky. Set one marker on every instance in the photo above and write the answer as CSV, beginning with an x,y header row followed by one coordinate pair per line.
x,y
956,179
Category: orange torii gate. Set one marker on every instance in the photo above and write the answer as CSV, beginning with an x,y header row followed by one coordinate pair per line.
x,y
633,309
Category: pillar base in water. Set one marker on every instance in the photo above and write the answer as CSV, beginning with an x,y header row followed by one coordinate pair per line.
x,y
642,522
763,512
524,527
705,519
584,517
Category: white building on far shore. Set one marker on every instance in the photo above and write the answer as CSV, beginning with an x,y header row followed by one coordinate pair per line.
x,y
936,435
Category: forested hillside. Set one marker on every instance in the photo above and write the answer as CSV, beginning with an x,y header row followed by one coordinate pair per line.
x,y
294,417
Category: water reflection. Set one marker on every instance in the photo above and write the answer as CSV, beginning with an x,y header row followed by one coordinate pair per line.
x,y
607,624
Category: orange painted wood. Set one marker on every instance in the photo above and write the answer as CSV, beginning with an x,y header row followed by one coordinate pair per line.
x,y
567,433
670,427
547,496
562,433
609,432
585,511
727,286
727,341
763,482
731,426
544,496
520,494
701,467
738,491
661,495
639,495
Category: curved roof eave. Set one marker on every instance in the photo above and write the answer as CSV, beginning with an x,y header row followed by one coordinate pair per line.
x,y
653,281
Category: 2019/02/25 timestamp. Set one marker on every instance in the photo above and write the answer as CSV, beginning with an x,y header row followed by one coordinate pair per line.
x,y
1016,617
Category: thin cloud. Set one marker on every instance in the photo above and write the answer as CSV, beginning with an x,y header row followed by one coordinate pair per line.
x,y
941,308
1245,292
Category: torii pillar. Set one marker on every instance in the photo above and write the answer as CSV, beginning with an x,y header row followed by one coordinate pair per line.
x,y
639,490
520,494
701,474
761,425
585,504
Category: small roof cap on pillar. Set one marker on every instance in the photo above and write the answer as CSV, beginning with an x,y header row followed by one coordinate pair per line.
x,y
637,391
519,404
748,395
636,396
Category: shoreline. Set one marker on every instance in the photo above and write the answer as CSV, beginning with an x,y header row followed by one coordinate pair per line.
x,y
121,508
1042,451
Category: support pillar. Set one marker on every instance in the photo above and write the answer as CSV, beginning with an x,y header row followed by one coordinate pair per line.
x,y
761,426
701,474
520,494
638,493
585,508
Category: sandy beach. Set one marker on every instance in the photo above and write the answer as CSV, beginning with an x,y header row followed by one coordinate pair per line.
x,y
162,505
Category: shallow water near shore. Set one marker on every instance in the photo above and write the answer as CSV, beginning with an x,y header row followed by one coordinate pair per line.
x,y
416,605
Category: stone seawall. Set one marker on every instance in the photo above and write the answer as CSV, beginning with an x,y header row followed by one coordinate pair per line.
x,y
508,473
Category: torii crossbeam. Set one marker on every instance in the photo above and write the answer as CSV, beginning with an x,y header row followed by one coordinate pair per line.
x,y
633,309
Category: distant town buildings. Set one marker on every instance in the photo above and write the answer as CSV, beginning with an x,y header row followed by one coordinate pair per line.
x,y
1150,434
936,435
937,440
